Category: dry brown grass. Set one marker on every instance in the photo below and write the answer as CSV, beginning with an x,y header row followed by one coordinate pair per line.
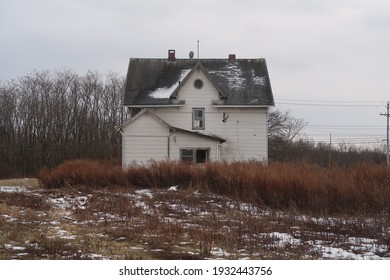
x,y
364,188
82,222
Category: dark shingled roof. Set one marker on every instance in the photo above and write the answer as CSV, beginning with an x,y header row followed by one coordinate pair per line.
x,y
239,81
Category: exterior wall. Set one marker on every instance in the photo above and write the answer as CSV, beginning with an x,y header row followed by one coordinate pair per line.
x,y
180,140
245,128
143,139
194,98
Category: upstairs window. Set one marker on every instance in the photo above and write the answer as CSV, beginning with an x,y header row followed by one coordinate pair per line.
x,y
198,84
198,118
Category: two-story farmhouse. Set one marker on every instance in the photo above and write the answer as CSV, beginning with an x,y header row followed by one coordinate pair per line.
x,y
195,110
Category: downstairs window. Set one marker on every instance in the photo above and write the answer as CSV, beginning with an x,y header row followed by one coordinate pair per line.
x,y
199,155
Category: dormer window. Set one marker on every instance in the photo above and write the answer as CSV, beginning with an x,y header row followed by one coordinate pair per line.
x,y
198,118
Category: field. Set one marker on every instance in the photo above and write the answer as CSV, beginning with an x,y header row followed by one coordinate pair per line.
x,y
195,221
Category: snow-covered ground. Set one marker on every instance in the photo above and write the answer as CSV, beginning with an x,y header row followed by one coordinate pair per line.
x,y
143,223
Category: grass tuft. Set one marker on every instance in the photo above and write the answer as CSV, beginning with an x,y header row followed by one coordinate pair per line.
x,y
301,186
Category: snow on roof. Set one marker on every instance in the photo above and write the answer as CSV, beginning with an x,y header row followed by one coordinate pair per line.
x,y
165,92
240,82
233,74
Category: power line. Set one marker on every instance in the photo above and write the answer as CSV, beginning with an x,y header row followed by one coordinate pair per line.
x,y
330,103
322,128
325,105
345,126
350,134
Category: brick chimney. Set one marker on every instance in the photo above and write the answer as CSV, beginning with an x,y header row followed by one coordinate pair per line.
x,y
171,55
232,57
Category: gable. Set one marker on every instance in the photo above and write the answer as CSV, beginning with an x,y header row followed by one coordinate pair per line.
x,y
156,82
145,123
205,91
198,73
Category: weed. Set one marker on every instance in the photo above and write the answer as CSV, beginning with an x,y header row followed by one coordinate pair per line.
x,y
364,188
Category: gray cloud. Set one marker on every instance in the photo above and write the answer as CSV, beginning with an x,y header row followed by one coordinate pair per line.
x,y
322,49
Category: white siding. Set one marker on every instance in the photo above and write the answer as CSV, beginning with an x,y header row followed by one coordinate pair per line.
x,y
180,140
194,98
143,139
245,129
141,149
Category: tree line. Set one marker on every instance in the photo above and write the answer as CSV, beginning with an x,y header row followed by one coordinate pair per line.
x,y
46,118
49,117
285,145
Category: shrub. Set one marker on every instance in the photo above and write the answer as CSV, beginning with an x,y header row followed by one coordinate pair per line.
x,y
302,186
82,172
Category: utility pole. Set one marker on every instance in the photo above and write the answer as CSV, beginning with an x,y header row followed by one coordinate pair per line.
x,y
387,138
330,151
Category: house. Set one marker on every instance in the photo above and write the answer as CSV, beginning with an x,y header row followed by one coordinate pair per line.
x,y
195,110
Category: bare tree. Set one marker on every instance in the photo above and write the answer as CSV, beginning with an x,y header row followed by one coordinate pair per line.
x,y
46,118
283,125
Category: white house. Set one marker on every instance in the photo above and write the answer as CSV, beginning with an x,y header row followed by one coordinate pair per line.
x,y
195,110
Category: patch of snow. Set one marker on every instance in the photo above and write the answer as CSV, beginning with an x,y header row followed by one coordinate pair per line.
x,y
68,202
337,253
8,218
157,250
197,193
145,192
13,189
136,248
66,235
82,201
204,213
360,240
60,202
107,216
60,233
260,81
166,92
173,188
146,209
13,247
218,252
234,75
285,238
92,256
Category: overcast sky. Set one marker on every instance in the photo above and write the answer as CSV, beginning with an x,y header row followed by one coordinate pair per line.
x,y
318,52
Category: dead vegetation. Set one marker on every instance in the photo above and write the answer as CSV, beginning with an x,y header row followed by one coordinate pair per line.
x,y
364,188
92,210
128,223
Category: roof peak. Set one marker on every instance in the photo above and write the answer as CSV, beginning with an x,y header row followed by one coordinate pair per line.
x,y
239,81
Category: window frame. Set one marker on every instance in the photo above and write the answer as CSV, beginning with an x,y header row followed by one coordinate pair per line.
x,y
198,84
194,157
201,119
184,157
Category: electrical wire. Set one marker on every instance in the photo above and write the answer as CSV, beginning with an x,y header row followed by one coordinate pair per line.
x,y
352,133
330,103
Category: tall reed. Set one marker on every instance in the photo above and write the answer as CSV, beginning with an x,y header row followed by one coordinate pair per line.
x,y
303,186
